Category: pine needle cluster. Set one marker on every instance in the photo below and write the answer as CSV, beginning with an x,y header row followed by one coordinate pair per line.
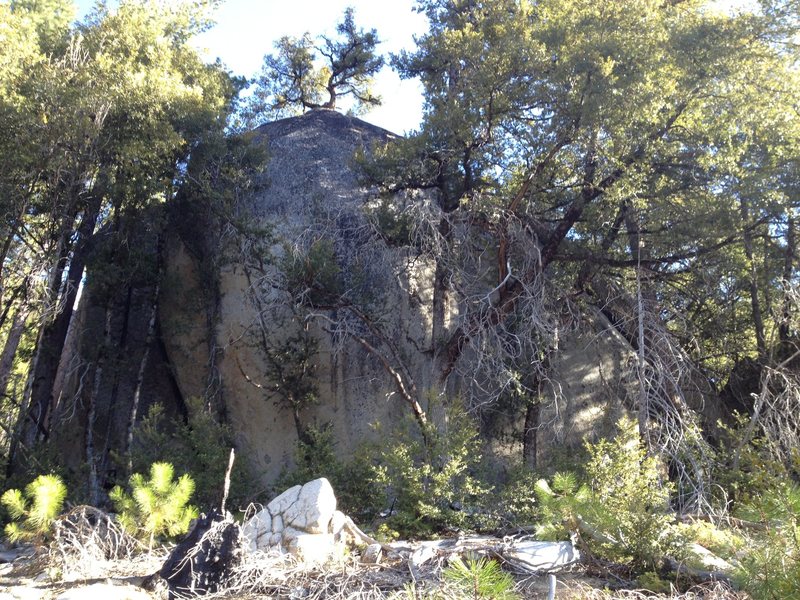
x,y
480,578
158,506
34,511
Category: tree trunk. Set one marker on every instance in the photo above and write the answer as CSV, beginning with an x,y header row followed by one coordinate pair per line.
x,y
440,289
10,349
755,303
785,329
54,334
137,394
530,434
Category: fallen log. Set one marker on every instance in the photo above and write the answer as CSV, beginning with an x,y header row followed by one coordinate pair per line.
x,y
673,568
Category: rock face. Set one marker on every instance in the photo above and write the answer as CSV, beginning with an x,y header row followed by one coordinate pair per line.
x,y
311,201
232,331
303,520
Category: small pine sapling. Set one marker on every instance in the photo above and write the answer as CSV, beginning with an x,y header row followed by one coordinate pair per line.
x,y
158,506
34,510
480,578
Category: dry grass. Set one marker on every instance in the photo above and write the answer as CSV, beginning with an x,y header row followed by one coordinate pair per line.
x,y
706,591
89,546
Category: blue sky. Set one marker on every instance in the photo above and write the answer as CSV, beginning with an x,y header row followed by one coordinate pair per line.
x,y
247,29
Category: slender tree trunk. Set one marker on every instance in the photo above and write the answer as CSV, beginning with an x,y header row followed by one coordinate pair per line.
x,y
137,394
53,336
784,329
755,302
91,421
440,293
530,433
12,344
637,250
8,242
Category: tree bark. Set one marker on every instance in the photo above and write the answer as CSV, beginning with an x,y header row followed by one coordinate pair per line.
x,y
10,349
54,334
784,329
755,302
530,434
137,394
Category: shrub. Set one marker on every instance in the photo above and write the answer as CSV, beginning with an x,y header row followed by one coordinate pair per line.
x,y
157,506
315,457
432,483
34,510
561,505
623,507
770,563
199,447
515,503
746,469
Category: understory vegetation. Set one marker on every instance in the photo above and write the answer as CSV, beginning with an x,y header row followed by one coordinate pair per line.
x,y
584,171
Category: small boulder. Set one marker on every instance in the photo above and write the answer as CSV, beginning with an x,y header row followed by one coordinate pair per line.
x,y
309,509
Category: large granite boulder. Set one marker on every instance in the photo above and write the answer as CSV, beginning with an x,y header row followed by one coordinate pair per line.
x,y
303,520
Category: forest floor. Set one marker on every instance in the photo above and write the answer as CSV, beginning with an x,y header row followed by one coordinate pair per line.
x,y
42,575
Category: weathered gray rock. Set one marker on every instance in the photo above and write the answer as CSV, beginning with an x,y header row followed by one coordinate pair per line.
x,y
371,554
302,520
284,501
314,508
312,548
544,556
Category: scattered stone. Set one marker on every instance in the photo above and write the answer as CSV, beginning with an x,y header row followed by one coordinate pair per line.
x,y
709,560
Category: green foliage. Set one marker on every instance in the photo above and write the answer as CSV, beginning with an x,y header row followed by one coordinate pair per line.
x,y
746,470
622,511
560,505
433,482
770,562
395,226
313,276
51,19
295,79
199,447
480,578
34,510
351,480
156,507
515,504
651,582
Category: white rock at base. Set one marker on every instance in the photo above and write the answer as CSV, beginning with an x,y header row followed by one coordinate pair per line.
x,y
105,591
544,556
313,548
304,510
709,560
257,530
